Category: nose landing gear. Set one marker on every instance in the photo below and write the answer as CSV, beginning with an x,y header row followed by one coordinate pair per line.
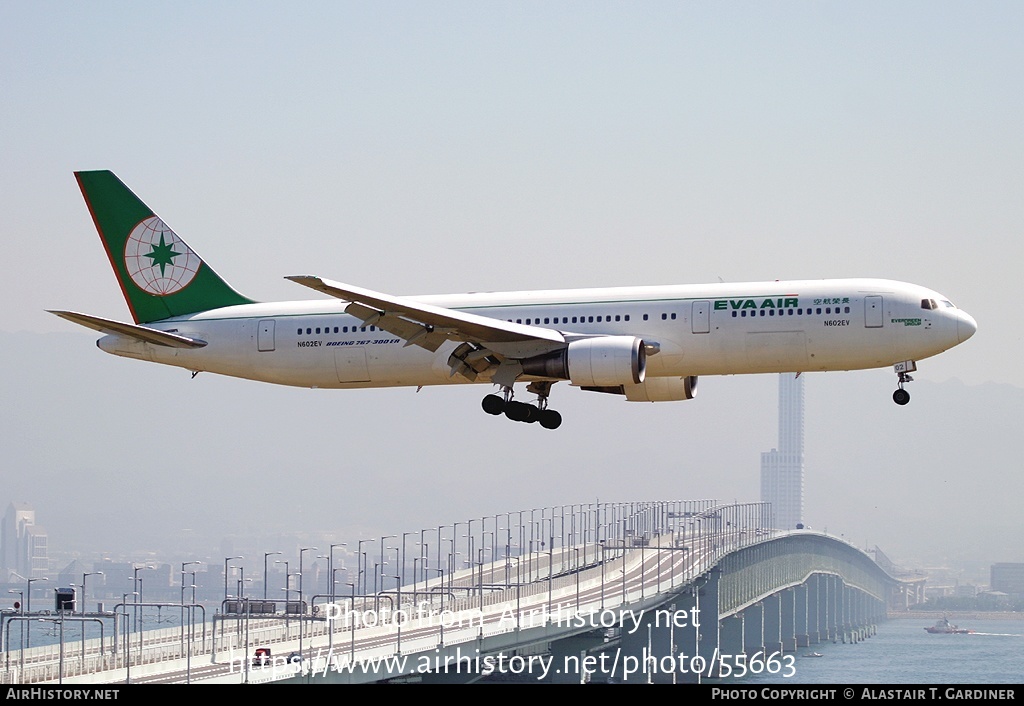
x,y
903,370
521,411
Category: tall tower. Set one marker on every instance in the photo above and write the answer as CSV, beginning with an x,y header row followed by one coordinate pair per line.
x,y
22,543
782,469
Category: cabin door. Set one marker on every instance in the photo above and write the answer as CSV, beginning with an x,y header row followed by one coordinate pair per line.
x,y
873,315
265,335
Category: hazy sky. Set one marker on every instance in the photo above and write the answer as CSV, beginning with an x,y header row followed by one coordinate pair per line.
x,y
418,147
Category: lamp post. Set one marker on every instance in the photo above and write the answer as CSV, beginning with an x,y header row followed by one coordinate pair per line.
x,y
91,573
127,637
352,622
362,566
304,549
188,650
330,566
82,612
401,579
265,555
576,550
517,560
302,604
28,606
21,623
183,565
226,560
381,555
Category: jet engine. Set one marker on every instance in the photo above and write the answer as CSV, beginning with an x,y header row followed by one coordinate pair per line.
x,y
662,390
601,361
652,389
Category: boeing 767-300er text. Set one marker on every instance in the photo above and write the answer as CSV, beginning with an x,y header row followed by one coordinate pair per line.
x,y
647,344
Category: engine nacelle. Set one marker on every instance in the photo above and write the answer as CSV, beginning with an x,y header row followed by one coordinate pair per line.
x,y
601,361
662,390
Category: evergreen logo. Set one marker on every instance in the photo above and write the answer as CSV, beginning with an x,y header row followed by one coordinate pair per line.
x,y
157,260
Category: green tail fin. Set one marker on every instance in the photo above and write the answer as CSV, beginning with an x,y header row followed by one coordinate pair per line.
x,y
159,274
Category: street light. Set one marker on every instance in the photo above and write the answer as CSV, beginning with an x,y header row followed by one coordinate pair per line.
x,y
304,549
265,555
82,611
226,560
127,637
381,555
28,606
330,566
21,624
190,614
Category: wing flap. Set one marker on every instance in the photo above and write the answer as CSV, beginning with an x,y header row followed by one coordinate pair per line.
x,y
412,332
427,325
142,333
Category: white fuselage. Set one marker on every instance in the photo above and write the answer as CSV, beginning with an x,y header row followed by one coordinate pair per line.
x,y
710,329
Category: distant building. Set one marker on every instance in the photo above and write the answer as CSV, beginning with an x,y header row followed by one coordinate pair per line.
x,y
782,469
1007,577
23,543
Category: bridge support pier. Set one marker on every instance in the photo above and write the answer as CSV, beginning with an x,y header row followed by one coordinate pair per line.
x,y
730,634
788,606
772,623
753,629
800,615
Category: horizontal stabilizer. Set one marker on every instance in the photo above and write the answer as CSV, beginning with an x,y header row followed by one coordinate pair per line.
x,y
142,333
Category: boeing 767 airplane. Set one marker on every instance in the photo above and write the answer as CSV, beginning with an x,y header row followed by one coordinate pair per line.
x,y
645,344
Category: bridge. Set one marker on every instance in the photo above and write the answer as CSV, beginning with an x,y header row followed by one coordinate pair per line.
x,y
673,591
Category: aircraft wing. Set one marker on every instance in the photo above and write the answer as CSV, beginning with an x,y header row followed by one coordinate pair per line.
x,y
142,333
429,326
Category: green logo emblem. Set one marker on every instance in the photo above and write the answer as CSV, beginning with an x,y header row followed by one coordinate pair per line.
x,y
157,260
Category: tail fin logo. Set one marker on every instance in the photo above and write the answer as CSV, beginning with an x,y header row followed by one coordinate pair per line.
x,y
157,260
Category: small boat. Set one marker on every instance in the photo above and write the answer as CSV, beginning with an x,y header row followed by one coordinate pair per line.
x,y
944,627
814,654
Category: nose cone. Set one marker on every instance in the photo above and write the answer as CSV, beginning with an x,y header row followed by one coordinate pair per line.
x,y
965,326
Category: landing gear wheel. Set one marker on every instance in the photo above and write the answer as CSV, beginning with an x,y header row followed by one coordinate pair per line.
x,y
550,419
493,404
517,411
901,397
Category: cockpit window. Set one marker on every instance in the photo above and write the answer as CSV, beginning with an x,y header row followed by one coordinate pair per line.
x,y
929,304
948,303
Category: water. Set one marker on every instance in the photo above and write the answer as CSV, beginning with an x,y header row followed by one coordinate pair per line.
x,y
903,653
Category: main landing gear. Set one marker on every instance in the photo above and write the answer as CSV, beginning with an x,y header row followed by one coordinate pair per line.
x,y
903,370
522,411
